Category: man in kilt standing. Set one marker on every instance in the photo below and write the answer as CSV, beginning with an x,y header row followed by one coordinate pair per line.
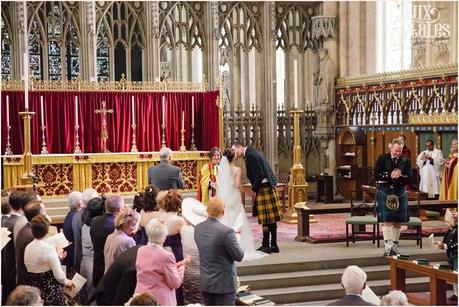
x,y
267,205
392,173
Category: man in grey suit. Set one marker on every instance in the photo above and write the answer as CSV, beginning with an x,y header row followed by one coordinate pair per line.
x,y
165,176
218,249
354,280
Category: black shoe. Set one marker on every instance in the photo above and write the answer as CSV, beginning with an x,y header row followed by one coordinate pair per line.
x,y
264,249
453,298
274,249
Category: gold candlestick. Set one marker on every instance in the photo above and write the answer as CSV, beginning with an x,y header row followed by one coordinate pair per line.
x,y
8,151
134,146
44,148
297,186
182,147
77,150
163,136
193,145
27,156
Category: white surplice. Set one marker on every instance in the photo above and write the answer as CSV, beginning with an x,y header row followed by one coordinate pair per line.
x,y
430,174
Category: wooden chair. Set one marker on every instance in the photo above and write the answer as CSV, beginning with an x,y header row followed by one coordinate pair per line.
x,y
358,221
414,221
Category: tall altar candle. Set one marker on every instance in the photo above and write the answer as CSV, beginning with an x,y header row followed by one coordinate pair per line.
x,y
164,109
133,115
42,112
76,111
183,120
192,110
26,81
295,83
7,110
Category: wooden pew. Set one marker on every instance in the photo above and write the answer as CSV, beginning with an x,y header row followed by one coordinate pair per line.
x,y
438,279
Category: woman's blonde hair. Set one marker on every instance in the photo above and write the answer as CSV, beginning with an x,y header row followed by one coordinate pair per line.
x,y
125,216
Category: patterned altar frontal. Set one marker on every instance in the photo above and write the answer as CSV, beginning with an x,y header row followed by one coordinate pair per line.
x,y
117,173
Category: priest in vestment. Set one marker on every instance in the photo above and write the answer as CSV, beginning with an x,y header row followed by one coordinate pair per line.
x,y
448,190
429,163
208,176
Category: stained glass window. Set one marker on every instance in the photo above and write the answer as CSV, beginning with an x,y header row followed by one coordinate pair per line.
x,y
6,52
103,55
35,52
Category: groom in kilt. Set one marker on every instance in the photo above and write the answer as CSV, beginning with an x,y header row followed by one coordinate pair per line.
x,y
392,173
267,205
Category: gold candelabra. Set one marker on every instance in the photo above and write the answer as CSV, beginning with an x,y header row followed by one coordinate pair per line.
x,y
133,146
182,146
27,176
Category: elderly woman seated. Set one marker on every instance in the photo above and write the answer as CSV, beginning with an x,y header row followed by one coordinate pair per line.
x,y
126,225
157,271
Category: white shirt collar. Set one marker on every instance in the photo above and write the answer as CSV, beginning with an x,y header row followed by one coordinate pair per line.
x,y
243,154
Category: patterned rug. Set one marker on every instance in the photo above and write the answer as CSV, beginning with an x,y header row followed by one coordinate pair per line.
x,y
331,228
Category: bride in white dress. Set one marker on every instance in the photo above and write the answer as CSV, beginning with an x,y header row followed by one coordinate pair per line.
x,y
228,184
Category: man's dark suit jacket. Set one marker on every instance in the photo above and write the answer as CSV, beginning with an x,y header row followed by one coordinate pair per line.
x,y
350,300
24,238
165,176
69,260
101,228
258,168
118,284
8,261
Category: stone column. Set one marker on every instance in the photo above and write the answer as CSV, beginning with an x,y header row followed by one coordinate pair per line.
x,y
268,92
151,51
211,53
343,24
325,28
354,38
21,12
88,46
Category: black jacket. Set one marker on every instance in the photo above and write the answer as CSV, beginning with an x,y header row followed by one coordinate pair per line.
x,y
258,169
350,300
385,165
118,284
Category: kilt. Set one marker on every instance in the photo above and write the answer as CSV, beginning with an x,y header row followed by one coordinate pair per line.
x,y
267,206
400,215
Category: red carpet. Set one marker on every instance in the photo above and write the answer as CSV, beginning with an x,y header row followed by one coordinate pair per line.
x,y
331,228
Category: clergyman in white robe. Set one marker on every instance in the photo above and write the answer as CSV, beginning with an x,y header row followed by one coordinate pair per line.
x,y
429,163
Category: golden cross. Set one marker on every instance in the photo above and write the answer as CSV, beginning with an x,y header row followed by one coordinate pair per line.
x,y
104,135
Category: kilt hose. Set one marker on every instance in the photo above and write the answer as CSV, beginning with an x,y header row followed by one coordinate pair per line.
x,y
267,206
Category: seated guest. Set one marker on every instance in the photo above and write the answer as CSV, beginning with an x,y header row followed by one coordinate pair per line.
x,y
168,213
77,224
394,298
157,271
148,211
449,244
43,264
24,237
75,205
119,282
101,228
143,299
165,176
126,224
25,296
353,281
94,208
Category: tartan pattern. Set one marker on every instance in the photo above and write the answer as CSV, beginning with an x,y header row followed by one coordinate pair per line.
x,y
267,206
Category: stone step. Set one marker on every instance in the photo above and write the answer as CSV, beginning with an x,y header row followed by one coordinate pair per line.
x,y
325,292
309,278
247,269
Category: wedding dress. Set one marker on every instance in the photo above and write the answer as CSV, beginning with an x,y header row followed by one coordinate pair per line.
x,y
235,216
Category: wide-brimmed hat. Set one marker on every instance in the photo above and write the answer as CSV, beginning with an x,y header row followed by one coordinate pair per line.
x,y
193,211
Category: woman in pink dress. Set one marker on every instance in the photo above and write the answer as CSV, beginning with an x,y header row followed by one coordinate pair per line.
x,y
157,271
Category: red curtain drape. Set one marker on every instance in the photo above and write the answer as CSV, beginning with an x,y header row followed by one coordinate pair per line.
x,y
59,119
